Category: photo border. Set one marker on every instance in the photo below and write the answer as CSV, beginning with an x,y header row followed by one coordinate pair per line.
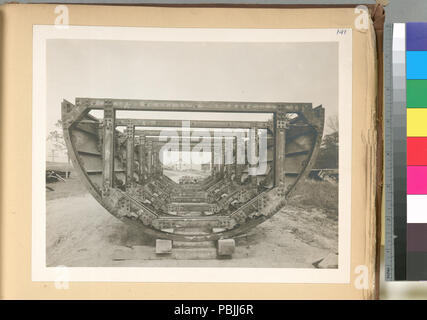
x,y
40,272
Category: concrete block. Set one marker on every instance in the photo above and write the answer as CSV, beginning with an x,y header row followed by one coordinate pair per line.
x,y
226,247
194,254
195,244
163,246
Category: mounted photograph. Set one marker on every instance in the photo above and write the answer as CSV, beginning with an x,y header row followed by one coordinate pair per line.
x,y
193,154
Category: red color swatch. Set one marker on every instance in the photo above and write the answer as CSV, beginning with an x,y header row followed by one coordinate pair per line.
x,y
416,151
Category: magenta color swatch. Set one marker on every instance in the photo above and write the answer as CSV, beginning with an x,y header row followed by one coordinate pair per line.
x,y
417,180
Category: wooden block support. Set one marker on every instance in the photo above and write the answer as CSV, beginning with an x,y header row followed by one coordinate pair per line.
x,y
226,247
163,246
189,251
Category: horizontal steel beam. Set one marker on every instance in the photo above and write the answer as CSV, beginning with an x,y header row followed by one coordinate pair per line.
x,y
178,134
197,106
194,123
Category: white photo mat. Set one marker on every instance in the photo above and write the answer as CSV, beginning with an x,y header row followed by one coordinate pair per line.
x,y
41,33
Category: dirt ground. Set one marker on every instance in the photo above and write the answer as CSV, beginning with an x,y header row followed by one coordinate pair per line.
x,y
81,233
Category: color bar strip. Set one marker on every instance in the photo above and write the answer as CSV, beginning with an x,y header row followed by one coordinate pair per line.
x,y
416,98
399,150
416,265
417,237
416,151
416,125
417,208
417,180
416,36
416,93
416,65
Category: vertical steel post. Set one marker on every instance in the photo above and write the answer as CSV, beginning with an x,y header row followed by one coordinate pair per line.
x,y
280,137
155,160
222,158
241,150
108,147
150,158
141,160
159,162
130,154
234,165
253,178
213,168
217,149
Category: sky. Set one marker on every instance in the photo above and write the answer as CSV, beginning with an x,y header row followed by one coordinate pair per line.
x,y
206,71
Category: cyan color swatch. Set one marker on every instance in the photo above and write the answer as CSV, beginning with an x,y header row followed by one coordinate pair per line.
x,y
416,65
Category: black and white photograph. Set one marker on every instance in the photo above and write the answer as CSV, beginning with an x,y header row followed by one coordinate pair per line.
x,y
220,155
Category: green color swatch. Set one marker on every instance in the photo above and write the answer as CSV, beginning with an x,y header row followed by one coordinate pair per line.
x,y
416,93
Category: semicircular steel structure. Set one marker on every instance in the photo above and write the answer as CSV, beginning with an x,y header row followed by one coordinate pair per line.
x,y
123,171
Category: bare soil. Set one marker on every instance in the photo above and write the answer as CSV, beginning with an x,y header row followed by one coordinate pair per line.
x,y
81,233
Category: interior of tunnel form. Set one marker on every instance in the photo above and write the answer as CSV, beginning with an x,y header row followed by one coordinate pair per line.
x,y
192,171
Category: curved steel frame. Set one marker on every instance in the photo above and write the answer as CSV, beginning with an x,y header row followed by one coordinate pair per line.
x,y
244,218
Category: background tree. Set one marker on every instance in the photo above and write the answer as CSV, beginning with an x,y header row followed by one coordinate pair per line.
x,y
57,142
328,153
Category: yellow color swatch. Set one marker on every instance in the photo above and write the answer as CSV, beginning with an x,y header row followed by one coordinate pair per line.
x,y
416,122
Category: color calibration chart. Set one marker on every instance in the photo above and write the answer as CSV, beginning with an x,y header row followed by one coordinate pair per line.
x,y
406,151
